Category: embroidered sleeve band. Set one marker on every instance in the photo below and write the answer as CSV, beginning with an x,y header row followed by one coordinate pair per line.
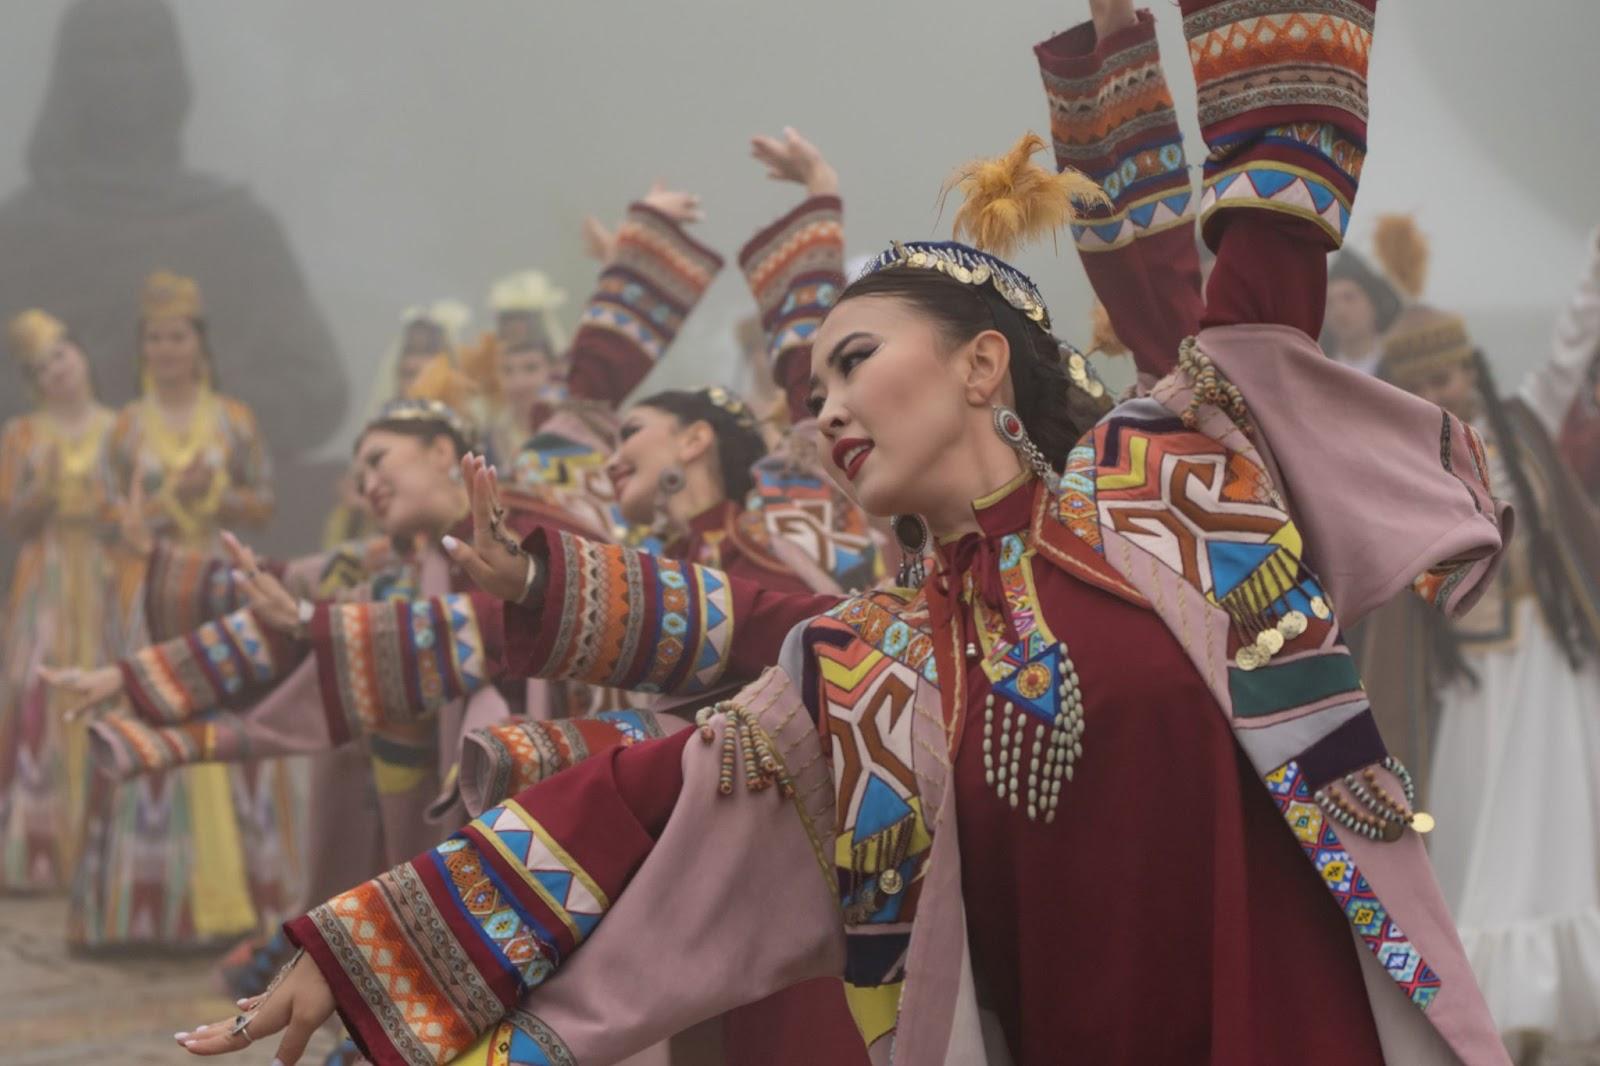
x,y
383,663
426,958
214,664
1283,105
795,268
658,275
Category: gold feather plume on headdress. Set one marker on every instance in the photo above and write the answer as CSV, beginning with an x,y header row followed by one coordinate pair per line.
x,y
439,380
1010,201
1103,336
1402,251
481,363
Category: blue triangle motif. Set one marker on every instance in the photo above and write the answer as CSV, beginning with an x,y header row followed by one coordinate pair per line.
x,y
1321,195
714,615
880,808
1143,213
1177,204
1108,232
1270,183
1041,699
556,882
1232,562
517,841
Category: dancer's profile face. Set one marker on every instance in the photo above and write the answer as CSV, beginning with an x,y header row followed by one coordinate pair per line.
x,y
1351,317
890,400
650,441
1454,388
61,373
405,480
524,375
172,349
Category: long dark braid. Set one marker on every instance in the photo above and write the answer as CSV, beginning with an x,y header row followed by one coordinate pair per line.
x,y
1544,554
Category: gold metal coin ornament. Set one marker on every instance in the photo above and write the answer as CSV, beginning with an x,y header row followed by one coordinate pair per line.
x,y
1250,657
1319,607
1422,822
1292,625
1270,641
890,882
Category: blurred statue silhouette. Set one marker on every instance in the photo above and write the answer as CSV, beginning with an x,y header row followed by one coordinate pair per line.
x,y
110,199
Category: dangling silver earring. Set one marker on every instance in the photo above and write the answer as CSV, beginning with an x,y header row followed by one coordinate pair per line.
x,y
455,474
912,533
671,480
1008,425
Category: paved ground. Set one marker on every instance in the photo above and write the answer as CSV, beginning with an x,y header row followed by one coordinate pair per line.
x,y
57,1009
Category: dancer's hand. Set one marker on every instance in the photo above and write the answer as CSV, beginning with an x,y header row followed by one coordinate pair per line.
x,y
297,1007
494,560
681,207
271,602
131,522
87,689
598,241
793,158
1109,16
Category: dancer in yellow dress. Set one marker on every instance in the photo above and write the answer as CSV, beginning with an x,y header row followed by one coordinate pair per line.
x,y
204,855
57,505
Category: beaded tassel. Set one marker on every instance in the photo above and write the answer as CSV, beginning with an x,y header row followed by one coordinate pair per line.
x,y
1052,749
1375,815
744,740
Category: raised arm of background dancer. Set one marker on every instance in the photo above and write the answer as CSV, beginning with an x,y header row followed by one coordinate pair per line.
x,y
795,266
580,611
1284,153
1111,117
1551,388
654,279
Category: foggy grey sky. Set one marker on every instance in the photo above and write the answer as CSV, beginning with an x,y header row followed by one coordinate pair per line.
x,y
418,149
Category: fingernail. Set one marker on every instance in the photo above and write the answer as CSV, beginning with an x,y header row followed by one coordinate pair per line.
x,y
450,543
240,1002
180,1037
238,575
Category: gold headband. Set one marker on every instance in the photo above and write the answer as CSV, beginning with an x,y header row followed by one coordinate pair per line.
x,y
33,333
169,295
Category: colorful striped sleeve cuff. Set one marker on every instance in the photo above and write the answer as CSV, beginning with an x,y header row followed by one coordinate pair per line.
x,y
425,959
658,275
795,269
623,619
1112,118
1283,106
506,758
384,663
185,588
212,665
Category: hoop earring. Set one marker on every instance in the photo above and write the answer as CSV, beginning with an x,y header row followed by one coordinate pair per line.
x,y
912,534
671,480
1009,428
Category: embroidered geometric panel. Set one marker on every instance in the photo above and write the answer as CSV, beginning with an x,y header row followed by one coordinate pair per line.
x,y
1292,793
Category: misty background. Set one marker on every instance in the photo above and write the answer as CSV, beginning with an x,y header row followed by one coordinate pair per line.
x,y
413,150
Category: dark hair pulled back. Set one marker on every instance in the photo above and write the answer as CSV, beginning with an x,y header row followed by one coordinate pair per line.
x,y
426,430
739,442
1054,411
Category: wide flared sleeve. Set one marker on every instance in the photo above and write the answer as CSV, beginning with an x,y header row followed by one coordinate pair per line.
x,y
795,270
1112,118
644,294
1282,96
717,895
384,664
627,619
1387,490
216,664
503,759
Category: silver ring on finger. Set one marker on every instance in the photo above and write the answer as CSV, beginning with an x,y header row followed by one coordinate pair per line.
x,y
241,1027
